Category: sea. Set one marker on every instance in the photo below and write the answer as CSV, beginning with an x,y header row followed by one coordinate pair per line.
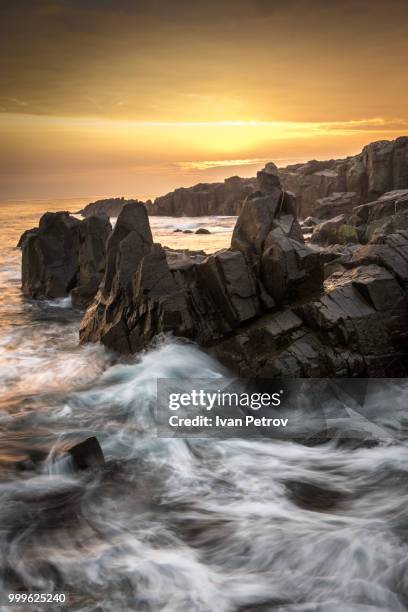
x,y
172,524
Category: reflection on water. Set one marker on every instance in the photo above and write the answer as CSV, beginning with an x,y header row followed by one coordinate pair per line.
x,y
203,526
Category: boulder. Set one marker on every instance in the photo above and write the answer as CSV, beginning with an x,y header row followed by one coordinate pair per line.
x,y
335,231
290,270
87,454
203,230
50,260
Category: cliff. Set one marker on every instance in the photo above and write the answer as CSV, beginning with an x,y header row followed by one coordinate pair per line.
x,y
380,167
205,199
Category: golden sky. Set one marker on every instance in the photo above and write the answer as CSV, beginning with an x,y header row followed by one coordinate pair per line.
x,y
136,97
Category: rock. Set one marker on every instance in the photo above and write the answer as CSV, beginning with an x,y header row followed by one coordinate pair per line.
x,y
50,261
314,497
391,253
202,230
383,216
130,240
290,270
87,454
93,235
110,207
205,299
24,237
187,231
336,204
335,231
64,256
381,167
205,199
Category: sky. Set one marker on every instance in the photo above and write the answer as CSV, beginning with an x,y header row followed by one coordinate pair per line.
x,y
137,97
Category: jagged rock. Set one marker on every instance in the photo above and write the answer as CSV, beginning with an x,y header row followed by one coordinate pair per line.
x,y
205,199
335,231
391,252
130,240
93,235
205,299
380,167
110,207
50,261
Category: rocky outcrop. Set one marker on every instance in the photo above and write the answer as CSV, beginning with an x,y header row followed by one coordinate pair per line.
x,y
365,222
383,216
110,207
204,299
381,166
204,199
64,255
261,306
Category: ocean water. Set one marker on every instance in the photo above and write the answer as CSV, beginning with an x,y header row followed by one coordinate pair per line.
x,y
171,525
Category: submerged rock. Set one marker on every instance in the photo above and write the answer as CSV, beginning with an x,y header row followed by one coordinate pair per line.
x,y
87,454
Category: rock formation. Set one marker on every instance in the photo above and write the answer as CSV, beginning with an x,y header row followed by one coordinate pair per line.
x,y
364,222
261,306
381,166
64,255
50,257
204,199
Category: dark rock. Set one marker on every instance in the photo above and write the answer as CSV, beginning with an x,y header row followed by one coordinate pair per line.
x,y
87,454
187,231
93,235
24,237
313,497
63,256
203,230
50,262
289,269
